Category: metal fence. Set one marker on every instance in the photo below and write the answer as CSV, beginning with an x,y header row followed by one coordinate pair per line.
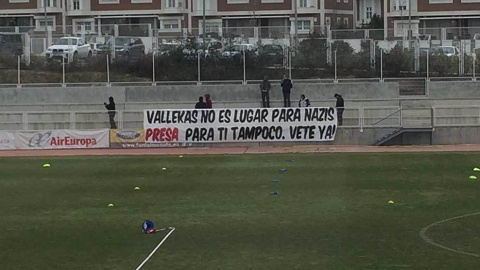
x,y
353,117
143,55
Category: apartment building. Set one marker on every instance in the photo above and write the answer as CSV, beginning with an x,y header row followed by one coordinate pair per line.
x,y
439,19
177,17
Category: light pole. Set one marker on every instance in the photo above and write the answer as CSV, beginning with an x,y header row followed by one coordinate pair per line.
x,y
296,26
45,22
203,24
409,24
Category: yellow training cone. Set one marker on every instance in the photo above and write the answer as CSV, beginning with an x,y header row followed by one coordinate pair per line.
x,y
137,188
110,204
180,156
390,202
46,165
164,169
472,177
476,169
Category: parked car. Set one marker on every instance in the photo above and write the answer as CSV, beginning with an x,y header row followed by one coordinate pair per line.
x,y
272,50
215,47
95,47
233,50
68,48
126,47
166,48
11,44
449,51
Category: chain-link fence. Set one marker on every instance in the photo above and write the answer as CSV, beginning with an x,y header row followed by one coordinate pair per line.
x,y
142,54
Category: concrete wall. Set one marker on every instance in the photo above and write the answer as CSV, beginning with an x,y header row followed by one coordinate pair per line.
x,y
92,98
58,95
456,135
252,93
445,90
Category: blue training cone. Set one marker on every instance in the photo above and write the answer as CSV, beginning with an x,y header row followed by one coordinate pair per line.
x,y
273,193
283,170
274,181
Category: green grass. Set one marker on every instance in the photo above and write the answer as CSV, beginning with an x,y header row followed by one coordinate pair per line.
x,y
331,212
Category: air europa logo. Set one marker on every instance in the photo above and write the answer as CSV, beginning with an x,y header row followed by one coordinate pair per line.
x,y
40,139
59,141
128,135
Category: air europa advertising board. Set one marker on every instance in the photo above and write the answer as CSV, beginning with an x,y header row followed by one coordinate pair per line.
x,y
59,139
240,125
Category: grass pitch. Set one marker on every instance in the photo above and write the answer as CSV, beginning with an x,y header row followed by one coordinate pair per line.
x,y
331,212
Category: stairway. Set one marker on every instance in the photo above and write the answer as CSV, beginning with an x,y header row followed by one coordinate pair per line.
x,y
407,136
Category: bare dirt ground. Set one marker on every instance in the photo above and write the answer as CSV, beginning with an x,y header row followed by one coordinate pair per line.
x,y
242,150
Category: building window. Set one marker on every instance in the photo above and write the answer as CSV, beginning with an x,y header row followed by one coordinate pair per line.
x,y
50,3
369,13
170,25
450,1
107,2
238,1
76,4
303,3
401,28
212,27
328,21
19,1
89,26
345,21
339,21
171,3
345,1
208,5
140,1
40,23
304,25
400,4
272,1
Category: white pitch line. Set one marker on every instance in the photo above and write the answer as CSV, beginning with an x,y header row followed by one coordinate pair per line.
x,y
430,241
155,249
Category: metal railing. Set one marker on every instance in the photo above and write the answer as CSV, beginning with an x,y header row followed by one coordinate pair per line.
x,y
353,117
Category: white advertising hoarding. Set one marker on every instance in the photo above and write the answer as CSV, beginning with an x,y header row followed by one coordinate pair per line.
x,y
62,139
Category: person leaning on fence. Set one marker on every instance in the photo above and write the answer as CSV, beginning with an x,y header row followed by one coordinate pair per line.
x,y
208,101
265,87
286,90
303,102
340,105
200,104
111,112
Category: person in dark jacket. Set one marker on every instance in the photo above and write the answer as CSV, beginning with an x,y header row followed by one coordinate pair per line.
x,y
208,101
304,102
111,112
265,87
286,90
340,105
200,104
